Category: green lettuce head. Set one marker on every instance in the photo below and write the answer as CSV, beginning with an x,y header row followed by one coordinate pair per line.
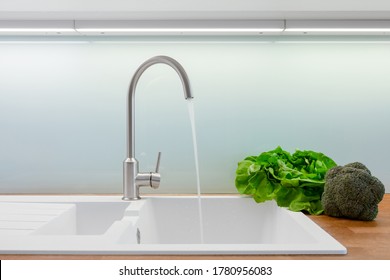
x,y
295,181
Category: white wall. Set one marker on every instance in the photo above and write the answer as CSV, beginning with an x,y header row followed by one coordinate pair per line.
x,y
62,108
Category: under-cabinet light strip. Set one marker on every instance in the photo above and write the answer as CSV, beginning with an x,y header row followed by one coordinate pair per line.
x,y
337,26
87,27
27,26
196,30
184,26
309,29
46,29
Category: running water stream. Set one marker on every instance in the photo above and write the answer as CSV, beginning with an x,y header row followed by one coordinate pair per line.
x,y
192,119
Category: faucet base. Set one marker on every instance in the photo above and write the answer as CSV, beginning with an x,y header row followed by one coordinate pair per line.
x,y
130,171
130,198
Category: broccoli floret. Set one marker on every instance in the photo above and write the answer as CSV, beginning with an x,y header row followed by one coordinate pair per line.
x,y
351,191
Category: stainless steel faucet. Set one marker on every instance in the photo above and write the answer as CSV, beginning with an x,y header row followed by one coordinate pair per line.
x,y
132,178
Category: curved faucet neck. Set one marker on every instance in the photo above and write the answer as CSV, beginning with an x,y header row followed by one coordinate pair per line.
x,y
131,96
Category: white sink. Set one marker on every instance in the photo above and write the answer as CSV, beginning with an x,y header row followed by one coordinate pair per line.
x,y
156,225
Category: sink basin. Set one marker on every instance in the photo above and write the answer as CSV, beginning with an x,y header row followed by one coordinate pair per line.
x,y
84,218
156,225
50,215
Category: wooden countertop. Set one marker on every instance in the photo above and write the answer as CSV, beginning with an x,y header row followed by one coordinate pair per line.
x,y
364,240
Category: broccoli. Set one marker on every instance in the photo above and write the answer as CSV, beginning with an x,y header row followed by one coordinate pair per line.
x,y
351,191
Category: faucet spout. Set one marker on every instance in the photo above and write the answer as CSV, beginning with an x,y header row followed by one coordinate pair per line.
x,y
131,97
132,179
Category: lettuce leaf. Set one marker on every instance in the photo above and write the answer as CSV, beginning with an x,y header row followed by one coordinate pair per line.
x,y
295,181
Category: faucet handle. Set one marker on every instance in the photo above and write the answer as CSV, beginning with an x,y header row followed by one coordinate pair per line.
x,y
155,176
158,162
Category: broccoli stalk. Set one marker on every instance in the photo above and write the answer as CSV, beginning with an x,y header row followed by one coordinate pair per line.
x,y
351,191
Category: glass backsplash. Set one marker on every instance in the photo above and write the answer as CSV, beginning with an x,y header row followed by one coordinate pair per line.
x,y
63,108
